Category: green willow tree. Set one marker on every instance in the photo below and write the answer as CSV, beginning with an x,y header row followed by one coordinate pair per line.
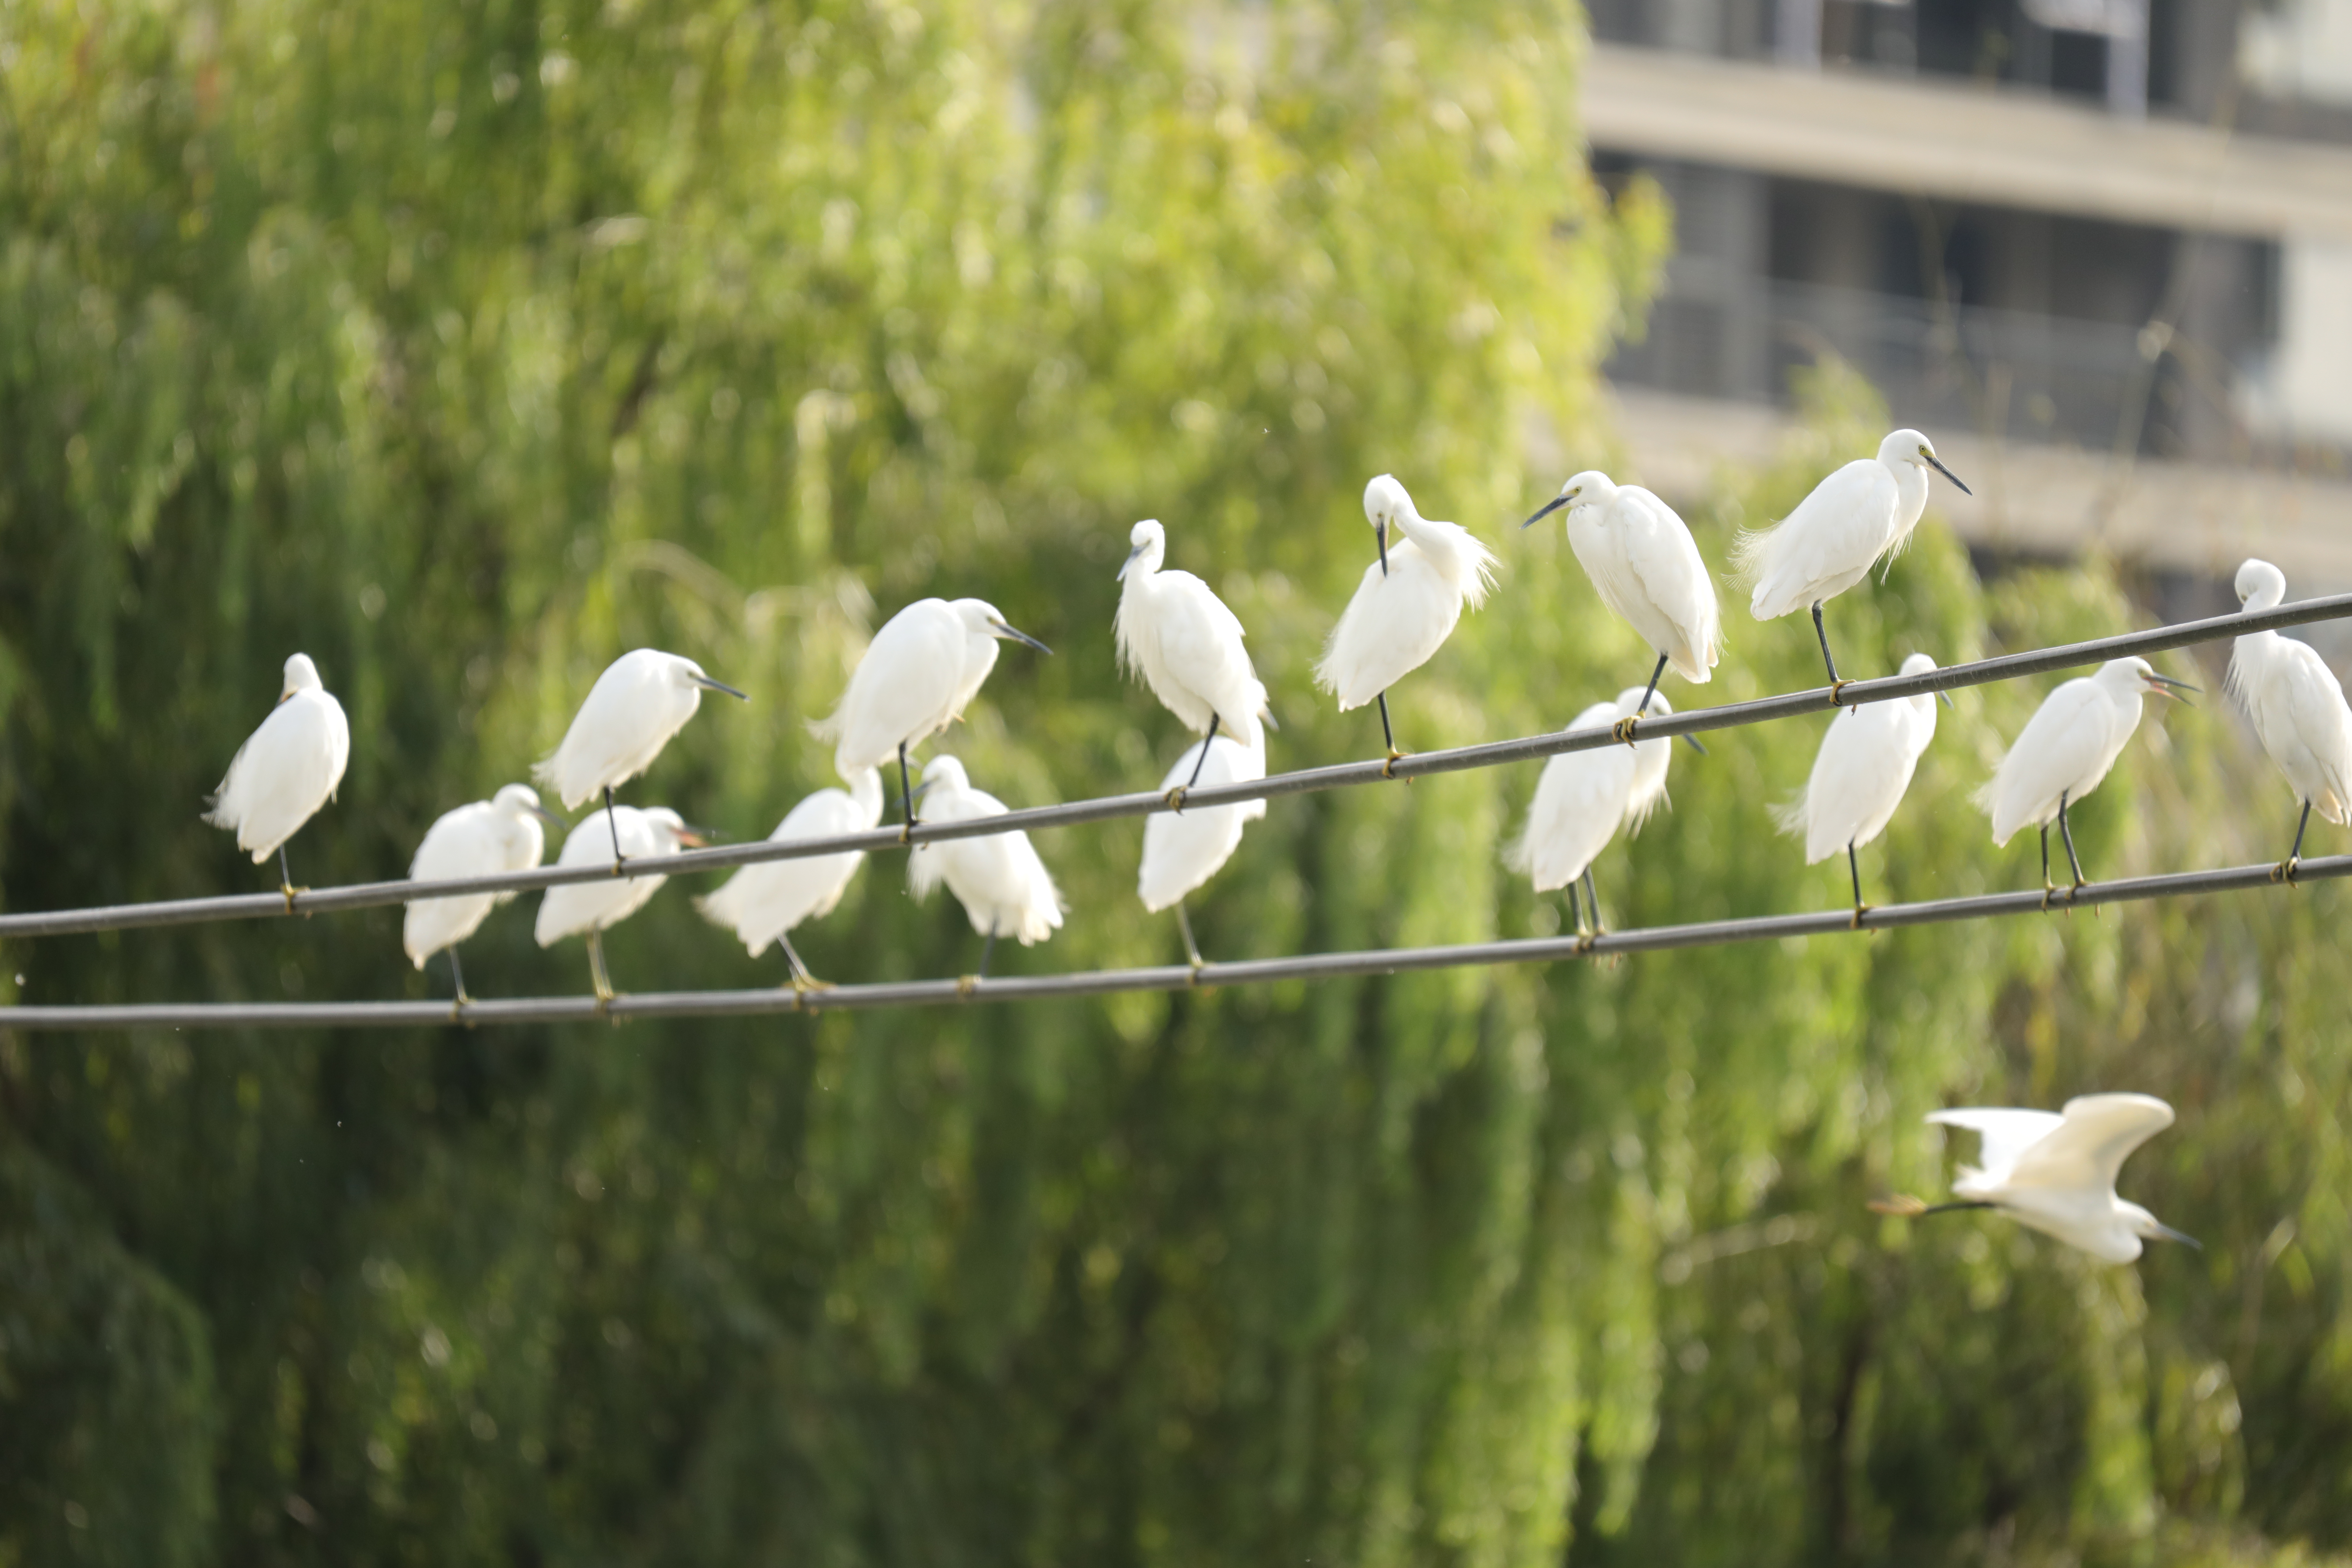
x,y
464,344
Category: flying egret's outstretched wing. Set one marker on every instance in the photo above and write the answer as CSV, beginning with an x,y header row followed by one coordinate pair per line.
x,y
2100,1132
2005,1133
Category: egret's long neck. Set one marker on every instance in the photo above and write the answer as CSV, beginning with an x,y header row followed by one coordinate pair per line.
x,y
865,792
1910,497
1442,542
2266,597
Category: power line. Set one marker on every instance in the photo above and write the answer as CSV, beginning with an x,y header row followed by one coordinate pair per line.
x,y
1308,781
1164,977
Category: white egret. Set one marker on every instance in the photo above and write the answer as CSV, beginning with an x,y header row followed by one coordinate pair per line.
x,y
1584,797
615,834
762,904
925,664
1646,568
639,702
1175,631
1859,775
1864,510
487,839
1183,849
2065,748
286,770
2298,710
2055,1172
1407,606
1003,887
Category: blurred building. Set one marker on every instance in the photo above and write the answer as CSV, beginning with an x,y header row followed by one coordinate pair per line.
x,y
2100,249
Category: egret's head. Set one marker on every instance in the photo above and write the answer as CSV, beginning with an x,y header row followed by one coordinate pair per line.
x,y
1920,664
521,800
2146,1226
946,771
669,827
1385,501
2139,675
1148,547
689,673
2260,584
302,675
983,619
1590,488
1911,447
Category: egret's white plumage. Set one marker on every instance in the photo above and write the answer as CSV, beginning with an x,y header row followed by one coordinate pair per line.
x,y
641,700
486,839
761,904
917,674
590,909
1183,849
1583,798
2056,1173
1865,764
1403,610
288,768
1000,882
2296,704
1864,511
2068,745
1646,568
1175,631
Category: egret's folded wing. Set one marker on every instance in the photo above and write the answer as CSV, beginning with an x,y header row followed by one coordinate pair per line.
x,y
2005,1133
2100,1132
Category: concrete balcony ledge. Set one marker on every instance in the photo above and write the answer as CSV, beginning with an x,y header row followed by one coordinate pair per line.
x,y
1930,137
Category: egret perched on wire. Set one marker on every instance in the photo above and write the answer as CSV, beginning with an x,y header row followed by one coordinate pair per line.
x,y
615,834
1864,510
1646,568
762,904
2055,1172
286,770
639,702
1584,797
1175,631
487,839
925,664
1859,775
1003,887
1406,607
2298,710
1182,850
2065,748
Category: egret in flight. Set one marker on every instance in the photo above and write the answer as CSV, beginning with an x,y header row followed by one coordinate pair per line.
x,y
925,664
1181,850
2298,710
1864,510
639,702
1406,607
1584,797
487,839
1004,888
2055,1172
1646,568
761,904
2066,748
615,834
1859,775
286,770
1175,631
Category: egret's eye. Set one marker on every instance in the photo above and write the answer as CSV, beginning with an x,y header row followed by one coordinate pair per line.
x,y
1925,453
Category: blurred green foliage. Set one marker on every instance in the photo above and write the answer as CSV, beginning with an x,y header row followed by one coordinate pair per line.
x,y
467,343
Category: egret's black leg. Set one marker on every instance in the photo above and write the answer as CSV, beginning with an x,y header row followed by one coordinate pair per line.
x,y
2047,887
1203,760
604,981
1651,689
2067,833
2294,856
802,980
457,977
1592,900
1184,924
1575,912
613,827
906,795
1823,634
1387,735
285,880
986,949
1854,867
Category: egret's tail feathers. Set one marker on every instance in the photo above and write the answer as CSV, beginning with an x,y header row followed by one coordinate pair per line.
x,y
1519,854
1752,554
1641,811
1484,565
1788,815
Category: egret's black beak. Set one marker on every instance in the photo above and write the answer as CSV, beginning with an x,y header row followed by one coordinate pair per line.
x,y
1000,630
549,818
1267,718
705,681
695,837
1381,533
2165,686
1945,698
2169,1234
1545,511
1692,742
920,790
1948,473
1133,556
